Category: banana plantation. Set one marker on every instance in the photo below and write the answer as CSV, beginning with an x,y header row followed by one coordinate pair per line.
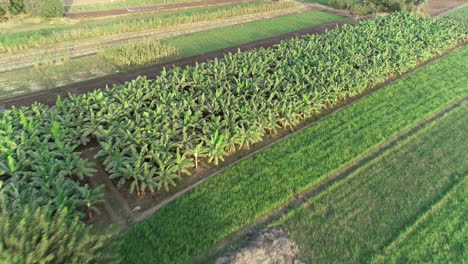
x,y
154,132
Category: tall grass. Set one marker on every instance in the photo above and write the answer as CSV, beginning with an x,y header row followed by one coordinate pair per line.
x,y
137,53
12,43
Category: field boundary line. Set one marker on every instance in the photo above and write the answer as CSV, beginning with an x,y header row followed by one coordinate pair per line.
x,y
298,129
334,179
436,205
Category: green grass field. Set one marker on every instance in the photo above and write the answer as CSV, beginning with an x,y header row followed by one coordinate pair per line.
x,y
216,39
440,236
353,221
21,82
461,13
254,187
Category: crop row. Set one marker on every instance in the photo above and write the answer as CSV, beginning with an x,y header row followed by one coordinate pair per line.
x,y
22,41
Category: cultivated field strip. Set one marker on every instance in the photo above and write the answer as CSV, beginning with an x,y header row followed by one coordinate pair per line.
x,y
256,186
27,59
143,156
354,220
147,8
439,236
301,199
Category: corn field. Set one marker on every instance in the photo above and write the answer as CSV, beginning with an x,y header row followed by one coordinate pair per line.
x,y
152,133
137,53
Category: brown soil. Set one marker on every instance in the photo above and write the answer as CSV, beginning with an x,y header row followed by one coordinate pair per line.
x,y
49,97
131,10
435,7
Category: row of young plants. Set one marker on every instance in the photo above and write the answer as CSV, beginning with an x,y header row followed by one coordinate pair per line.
x,y
137,53
39,165
21,41
153,132
44,195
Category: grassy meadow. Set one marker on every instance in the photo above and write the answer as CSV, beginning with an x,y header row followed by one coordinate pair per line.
x,y
356,219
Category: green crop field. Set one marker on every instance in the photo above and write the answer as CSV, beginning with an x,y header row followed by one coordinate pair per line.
x,y
48,77
257,185
206,41
38,39
441,234
461,13
385,156
355,220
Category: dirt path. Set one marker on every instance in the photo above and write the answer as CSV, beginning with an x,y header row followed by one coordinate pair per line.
x,y
137,9
49,96
27,59
436,7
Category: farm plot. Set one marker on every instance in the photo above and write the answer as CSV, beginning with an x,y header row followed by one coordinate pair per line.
x,y
461,13
439,236
117,4
360,7
254,187
217,107
354,220
51,76
10,43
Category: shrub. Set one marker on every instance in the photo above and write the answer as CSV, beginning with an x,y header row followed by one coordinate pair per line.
x,y
52,8
16,6
4,4
33,7
44,236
